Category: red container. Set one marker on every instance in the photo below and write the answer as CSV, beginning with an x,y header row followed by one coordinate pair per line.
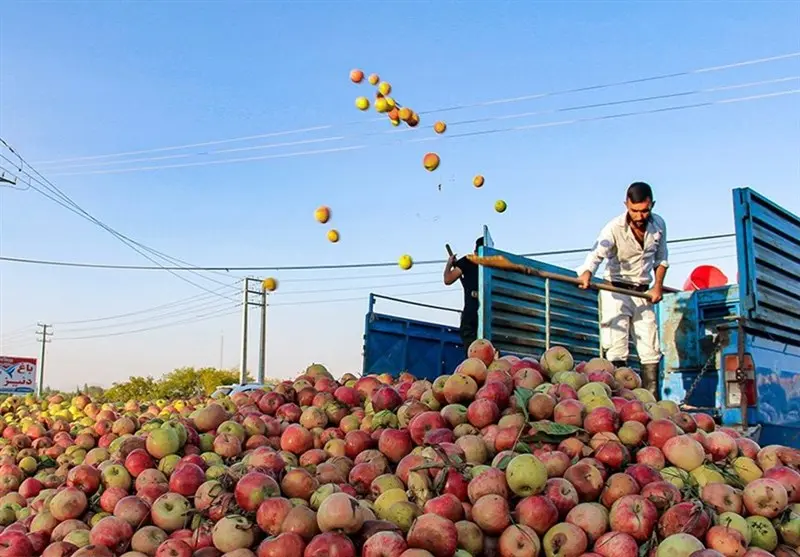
x,y
705,276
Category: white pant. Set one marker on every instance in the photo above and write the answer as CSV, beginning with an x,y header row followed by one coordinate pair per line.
x,y
617,313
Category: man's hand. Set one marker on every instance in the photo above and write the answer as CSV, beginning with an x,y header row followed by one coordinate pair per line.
x,y
451,261
656,294
586,279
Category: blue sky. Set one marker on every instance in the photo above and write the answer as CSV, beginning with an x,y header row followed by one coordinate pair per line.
x,y
88,78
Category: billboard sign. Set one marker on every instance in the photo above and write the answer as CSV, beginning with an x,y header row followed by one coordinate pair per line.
x,y
17,375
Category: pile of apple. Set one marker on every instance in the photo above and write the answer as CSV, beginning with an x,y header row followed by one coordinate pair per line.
x,y
506,456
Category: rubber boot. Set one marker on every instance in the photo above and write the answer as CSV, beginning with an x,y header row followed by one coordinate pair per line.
x,y
650,378
620,363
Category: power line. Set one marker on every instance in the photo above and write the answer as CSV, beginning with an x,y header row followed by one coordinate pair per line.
x,y
110,266
534,96
193,319
224,313
186,305
182,301
60,198
218,305
450,125
443,137
230,310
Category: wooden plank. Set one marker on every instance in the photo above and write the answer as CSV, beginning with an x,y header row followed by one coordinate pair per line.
x,y
537,315
769,331
772,215
556,305
555,332
777,239
768,278
559,290
512,306
770,320
767,255
512,338
781,303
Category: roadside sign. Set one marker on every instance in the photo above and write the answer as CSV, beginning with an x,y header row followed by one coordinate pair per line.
x,y
17,375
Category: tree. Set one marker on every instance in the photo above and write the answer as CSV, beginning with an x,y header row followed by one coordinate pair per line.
x,y
137,388
183,382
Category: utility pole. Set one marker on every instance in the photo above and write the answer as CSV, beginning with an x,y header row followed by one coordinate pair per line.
x,y
262,344
245,316
45,332
261,303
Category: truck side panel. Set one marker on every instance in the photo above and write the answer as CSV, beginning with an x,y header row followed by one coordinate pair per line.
x,y
525,315
395,344
768,250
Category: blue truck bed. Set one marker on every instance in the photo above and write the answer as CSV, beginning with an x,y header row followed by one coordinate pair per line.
x,y
394,344
717,343
721,342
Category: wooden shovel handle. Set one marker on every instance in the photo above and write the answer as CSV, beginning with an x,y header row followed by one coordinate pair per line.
x,y
501,262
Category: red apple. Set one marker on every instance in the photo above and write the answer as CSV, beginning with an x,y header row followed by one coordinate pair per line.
x,y
395,444
111,532
447,505
424,422
330,543
137,461
254,488
634,515
287,544
435,534
384,544
537,512
133,510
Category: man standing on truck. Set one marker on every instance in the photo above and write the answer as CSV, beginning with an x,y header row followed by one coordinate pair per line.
x,y
467,271
634,246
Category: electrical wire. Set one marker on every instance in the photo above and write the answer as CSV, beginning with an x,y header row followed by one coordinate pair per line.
x,y
191,320
221,312
200,301
199,297
218,305
253,268
444,137
534,96
59,197
451,125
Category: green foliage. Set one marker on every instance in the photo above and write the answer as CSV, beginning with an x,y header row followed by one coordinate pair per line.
x,y
138,388
183,382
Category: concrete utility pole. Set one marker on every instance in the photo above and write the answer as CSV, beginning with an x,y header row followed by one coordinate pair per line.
x,y
46,331
261,302
262,340
245,316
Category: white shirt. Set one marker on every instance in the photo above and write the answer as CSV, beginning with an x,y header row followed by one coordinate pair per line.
x,y
627,260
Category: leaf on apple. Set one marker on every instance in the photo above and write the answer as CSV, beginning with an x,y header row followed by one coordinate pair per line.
x,y
555,429
503,464
523,396
545,431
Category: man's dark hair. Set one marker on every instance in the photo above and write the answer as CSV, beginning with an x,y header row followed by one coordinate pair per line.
x,y
478,243
639,192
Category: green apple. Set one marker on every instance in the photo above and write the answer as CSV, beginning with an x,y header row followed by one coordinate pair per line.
x,y
526,475
762,533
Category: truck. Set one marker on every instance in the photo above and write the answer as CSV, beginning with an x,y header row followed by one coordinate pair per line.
x,y
732,351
